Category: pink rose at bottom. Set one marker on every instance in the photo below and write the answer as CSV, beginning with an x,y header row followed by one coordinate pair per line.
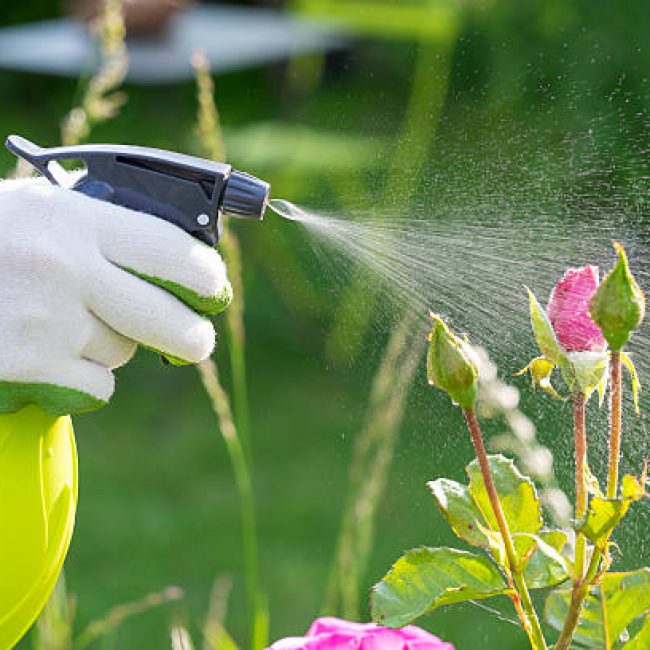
x,y
336,634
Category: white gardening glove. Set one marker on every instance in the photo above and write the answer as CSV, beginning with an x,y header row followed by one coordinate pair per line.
x,y
77,295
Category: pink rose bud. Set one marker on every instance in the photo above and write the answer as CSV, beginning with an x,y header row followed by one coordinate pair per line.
x,y
568,311
337,634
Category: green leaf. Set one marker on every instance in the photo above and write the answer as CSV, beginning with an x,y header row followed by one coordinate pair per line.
x,y
547,565
426,578
609,609
626,596
460,511
605,514
640,639
519,500
543,330
589,632
634,378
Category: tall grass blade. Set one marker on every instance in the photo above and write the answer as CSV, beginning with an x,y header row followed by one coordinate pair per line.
x,y
53,629
369,470
120,613
234,429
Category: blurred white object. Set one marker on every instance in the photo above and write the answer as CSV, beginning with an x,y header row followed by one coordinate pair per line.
x,y
231,38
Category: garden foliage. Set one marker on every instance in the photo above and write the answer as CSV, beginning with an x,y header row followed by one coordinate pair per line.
x,y
497,512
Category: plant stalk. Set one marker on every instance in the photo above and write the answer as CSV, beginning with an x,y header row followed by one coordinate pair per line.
x,y
580,580
615,422
615,428
580,441
238,459
523,601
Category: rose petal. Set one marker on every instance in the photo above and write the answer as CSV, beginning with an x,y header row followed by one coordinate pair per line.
x,y
329,633
568,311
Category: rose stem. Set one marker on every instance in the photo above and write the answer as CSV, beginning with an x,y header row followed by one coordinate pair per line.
x,y
580,440
615,429
580,585
522,597
615,421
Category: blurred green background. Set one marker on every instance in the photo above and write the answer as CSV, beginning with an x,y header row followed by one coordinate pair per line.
x,y
157,501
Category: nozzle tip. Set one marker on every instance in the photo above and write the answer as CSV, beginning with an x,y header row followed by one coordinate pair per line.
x,y
245,196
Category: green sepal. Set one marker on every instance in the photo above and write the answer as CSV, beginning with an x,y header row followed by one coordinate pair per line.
x,y
426,578
541,370
543,331
618,306
634,378
53,399
602,388
584,371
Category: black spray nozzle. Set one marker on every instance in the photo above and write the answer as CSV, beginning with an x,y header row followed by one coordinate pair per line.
x,y
189,192
245,196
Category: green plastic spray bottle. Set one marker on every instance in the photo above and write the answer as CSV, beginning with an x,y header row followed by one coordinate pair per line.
x,y
38,503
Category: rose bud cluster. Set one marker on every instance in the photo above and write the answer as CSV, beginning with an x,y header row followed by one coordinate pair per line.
x,y
583,320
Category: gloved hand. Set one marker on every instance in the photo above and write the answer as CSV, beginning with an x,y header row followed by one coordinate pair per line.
x,y
77,294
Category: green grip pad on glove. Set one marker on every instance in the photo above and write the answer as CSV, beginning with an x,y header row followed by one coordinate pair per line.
x,y
53,399
38,502
204,305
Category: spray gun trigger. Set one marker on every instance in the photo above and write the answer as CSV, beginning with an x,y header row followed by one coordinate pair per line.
x,y
94,189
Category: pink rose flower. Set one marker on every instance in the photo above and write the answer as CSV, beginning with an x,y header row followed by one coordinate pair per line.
x,y
568,311
337,634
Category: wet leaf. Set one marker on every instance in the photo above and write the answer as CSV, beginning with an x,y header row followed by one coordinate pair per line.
x,y
460,511
519,499
547,566
609,609
605,514
589,632
640,639
426,578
